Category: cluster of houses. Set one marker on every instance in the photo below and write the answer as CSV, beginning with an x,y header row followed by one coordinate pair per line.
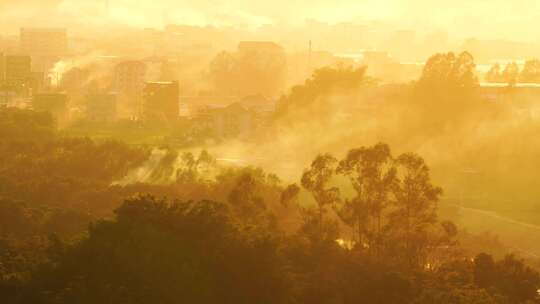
x,y
36,77
39,75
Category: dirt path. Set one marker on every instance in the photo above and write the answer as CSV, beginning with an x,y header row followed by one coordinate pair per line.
x,y
523,237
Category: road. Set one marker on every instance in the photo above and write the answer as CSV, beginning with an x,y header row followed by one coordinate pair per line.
x,y
521,236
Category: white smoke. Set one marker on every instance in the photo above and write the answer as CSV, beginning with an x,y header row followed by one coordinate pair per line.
x,y
60,68
144,173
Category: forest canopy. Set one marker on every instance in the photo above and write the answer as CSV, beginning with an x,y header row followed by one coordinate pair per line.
x,y
233,234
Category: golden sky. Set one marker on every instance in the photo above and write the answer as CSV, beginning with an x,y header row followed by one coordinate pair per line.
x,y
488,18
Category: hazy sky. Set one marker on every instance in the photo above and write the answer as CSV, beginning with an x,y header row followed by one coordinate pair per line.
x,y
490,18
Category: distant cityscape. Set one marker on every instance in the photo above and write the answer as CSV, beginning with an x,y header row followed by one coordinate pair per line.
x,y
160,75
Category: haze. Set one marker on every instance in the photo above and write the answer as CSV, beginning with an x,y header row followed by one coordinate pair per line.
x,y
465,18
276,152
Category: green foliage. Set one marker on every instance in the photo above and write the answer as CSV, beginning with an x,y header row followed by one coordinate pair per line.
x,y
510,74
458,296
494,74
166,252
449,72
414,216
530,72
510,277
393,211
232,235
290,194
21,125
373,176
312,97
49,184
316,180
446,88
60,172
248,73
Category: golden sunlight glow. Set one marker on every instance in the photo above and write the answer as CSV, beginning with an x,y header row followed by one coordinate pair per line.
x,y
269,151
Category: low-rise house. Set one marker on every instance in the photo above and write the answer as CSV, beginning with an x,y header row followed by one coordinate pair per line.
x,y
233,120
54,103
101,107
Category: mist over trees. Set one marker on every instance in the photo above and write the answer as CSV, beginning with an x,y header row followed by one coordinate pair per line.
x,y
100,221
239,250
312,97
250,72
512,74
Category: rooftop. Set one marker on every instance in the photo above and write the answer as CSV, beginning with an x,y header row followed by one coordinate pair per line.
x,y
43,30
504,85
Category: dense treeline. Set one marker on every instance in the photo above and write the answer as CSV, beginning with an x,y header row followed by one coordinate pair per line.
x,y
177,251
38,166
363,228
511,74
238,235
474,137
50,186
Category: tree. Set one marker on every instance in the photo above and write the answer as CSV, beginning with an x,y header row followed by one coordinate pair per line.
x,y
312,96
290,194
466,295
24,125
530,72
414,214
167,252
373,176
245,199
193,167
249,73
168,71
316,180
223,72
65,172
511,73
261,72
484,270
445,93
509,276
449,72
494,74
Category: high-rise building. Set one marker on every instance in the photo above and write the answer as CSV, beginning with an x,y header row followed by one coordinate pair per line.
x,y
18,73
46,46
36,82
7,95
129,79
44,41
263,69
101,107
17,67
54,103
259,47
2,69
161,101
